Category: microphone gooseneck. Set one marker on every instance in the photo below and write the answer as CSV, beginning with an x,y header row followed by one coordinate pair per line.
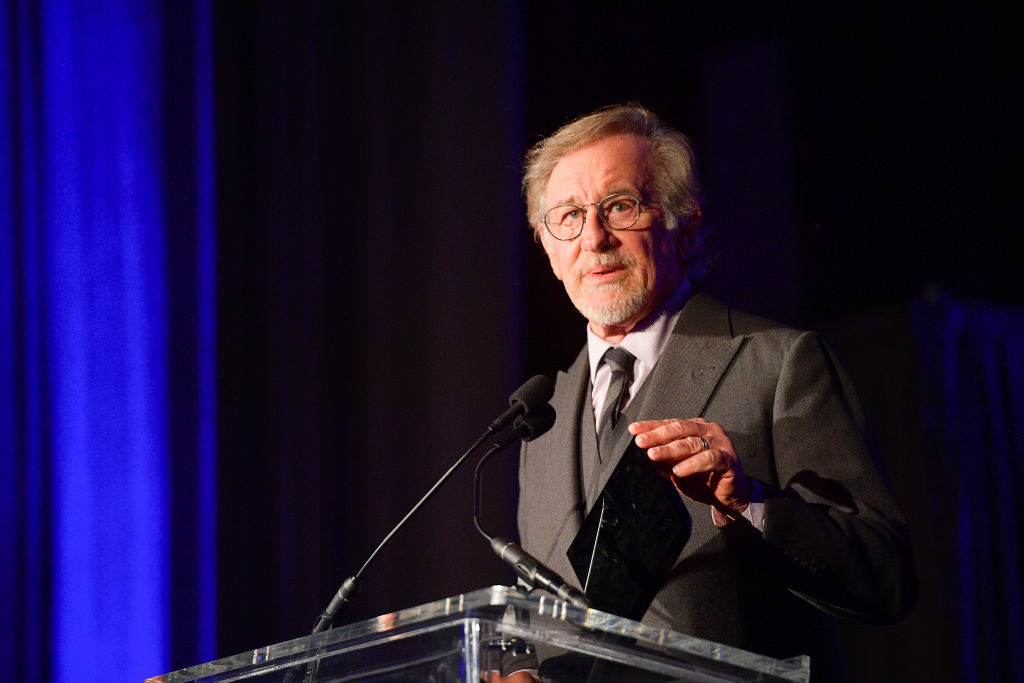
x,y
526,566
532,397
525,427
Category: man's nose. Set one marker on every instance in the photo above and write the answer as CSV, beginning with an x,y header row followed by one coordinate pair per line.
x,y
595,236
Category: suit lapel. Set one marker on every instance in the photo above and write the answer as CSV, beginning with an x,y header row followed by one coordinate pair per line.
x,y
563,466
699,350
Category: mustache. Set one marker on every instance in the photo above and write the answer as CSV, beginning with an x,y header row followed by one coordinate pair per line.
x,y
603,260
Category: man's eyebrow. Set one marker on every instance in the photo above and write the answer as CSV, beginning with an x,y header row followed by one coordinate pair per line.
x,y
572,201
623,190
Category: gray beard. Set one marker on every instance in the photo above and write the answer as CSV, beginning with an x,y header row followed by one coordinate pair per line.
x,y
627,305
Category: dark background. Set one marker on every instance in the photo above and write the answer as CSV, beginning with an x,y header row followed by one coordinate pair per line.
x,y
380,294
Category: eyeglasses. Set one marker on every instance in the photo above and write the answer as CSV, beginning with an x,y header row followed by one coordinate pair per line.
x,y
617,211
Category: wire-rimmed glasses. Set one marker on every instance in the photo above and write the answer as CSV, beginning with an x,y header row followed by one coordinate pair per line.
x,y
618,211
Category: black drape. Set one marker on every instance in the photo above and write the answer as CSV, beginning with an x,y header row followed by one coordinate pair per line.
x,y
370,249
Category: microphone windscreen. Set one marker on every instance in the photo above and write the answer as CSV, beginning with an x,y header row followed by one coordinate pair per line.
x,y
538,421
536,391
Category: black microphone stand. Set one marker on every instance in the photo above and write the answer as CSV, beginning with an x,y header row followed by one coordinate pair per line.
x,y
348,589
536,391
529,569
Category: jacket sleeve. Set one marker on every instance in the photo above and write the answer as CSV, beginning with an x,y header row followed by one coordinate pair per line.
x,y
832,525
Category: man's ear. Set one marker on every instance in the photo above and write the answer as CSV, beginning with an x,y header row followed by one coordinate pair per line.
x,y
547,241
688,228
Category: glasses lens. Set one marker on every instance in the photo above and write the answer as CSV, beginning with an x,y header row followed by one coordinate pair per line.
x,y
564,221
620,211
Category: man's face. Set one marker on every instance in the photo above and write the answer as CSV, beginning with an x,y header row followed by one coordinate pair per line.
x,y
615,278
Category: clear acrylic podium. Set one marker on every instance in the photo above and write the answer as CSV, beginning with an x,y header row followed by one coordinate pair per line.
x,y
475,636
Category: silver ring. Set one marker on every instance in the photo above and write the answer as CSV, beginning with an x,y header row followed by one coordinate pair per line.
x,y
704,443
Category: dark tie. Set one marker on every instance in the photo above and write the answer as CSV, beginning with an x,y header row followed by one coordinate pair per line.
x,y
620,361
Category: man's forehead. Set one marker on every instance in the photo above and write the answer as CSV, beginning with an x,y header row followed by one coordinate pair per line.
x,y
612,164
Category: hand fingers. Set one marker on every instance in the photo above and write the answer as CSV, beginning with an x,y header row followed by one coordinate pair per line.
x,y
679,448
692,435
651,433
699,458
713,460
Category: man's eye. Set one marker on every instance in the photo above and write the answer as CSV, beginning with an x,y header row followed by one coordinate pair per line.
x,y
568,215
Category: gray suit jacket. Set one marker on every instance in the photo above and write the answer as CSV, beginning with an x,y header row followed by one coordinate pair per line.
x,y
834,540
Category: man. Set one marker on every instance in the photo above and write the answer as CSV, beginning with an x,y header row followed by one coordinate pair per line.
x,y
755,424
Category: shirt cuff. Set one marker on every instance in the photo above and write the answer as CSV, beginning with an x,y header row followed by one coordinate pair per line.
x,y
753,514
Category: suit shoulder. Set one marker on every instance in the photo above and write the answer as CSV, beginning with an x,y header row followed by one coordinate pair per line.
x,y
743,324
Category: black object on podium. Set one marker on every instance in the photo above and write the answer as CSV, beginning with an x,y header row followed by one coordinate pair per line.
x,y
631,538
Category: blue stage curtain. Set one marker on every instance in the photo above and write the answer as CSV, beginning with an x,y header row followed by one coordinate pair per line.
x,y
106,340
972,357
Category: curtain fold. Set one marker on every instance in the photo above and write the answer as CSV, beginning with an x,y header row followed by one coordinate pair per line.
x,y
972,356
96,298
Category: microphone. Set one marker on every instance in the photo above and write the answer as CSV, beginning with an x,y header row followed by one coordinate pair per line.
x,y
538,420
536,573
535,392
531,398
526,566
